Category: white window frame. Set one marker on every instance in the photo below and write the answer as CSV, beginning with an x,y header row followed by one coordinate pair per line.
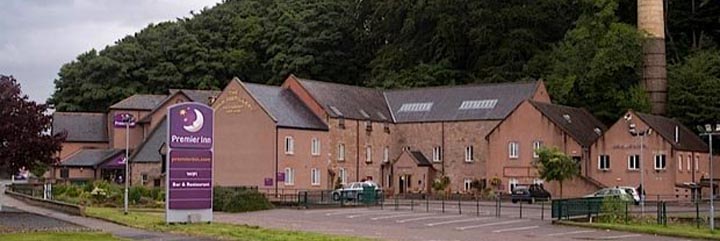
x,y
467,184
536,146
289,145
469,153
315,177
437,154
660,159
386,154
605,161
289,176
689,162
368,153
680,163
341,152
315,146
343,175
633,159
514,150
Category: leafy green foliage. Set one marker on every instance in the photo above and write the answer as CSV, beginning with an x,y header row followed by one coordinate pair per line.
x,y
232,200
614,210
554,165
441,183
597,65
694,88
105,194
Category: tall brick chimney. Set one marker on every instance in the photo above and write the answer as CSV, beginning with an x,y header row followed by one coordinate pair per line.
x,y
651,19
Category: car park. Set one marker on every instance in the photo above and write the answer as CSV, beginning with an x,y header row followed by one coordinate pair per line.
x,y
353,190
531,194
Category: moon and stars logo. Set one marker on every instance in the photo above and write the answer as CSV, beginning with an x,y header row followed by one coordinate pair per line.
x,y
192,119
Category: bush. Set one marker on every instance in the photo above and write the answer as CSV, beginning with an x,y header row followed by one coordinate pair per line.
x,y
239,200
613,210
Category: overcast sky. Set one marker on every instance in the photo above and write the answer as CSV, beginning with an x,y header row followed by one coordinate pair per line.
x,y
38,36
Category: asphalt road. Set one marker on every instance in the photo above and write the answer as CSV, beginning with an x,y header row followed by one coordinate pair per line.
x,y
416,225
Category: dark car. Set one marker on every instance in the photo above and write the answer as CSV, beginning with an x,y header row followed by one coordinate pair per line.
x,y
530,194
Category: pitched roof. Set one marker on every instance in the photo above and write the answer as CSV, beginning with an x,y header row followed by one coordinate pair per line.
x,y
420,159
576,122
349,101
89,157
148,150
285,106
665,127
453,103
202,96
81,126
139,102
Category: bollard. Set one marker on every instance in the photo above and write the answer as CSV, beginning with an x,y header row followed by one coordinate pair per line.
x,y
459,206
542,211
306,200
396,203
477,207
442,202
427,204
521,209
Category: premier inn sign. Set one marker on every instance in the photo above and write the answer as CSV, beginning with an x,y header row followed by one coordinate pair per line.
x,y
188,186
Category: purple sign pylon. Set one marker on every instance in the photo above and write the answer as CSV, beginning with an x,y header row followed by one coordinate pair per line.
x,y
189,184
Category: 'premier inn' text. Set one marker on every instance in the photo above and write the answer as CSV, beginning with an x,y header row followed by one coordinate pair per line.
x,y
190,139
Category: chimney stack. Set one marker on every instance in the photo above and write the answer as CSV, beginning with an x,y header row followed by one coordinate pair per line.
x,y
651,20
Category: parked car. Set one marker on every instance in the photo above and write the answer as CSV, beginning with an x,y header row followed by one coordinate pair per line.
x,y
633,192
620,193
531,194
353,190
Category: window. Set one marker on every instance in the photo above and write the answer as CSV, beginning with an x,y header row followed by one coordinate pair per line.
x,y
289,176
416,107
315,177
368,125
144,178
341,152
478,104
513,150
386,154
156,182
469,153
688,160
437,154
511,184
536,148
343,175
697,163
289,145
604,162
660,163
64,173
680,163
368,154
315,147
633,162
468,184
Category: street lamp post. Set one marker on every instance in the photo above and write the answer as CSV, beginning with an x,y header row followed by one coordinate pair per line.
x,y
127,119
710,132
632,128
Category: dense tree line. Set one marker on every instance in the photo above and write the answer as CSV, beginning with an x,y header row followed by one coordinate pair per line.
x,y
588,51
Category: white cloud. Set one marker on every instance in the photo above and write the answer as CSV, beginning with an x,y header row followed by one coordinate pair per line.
x,y
37,37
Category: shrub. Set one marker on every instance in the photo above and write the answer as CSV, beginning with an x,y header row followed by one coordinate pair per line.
x,y
613,210
244,200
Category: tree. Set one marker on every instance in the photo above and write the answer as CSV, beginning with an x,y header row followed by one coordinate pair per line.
x,y
694,88
554,165
24,126
597,65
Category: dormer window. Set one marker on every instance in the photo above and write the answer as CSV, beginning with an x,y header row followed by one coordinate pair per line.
x,y
341,123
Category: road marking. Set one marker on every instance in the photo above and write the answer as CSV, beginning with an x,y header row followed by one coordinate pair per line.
x,y
349,212
457,221
402,215
619,236
570,233
492,224
515,229
369,214
424,218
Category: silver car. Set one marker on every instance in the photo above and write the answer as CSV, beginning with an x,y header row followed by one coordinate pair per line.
x,y
618,192
353,190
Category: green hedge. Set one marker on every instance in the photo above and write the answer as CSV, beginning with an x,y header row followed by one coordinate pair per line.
x,y
106,194
232,200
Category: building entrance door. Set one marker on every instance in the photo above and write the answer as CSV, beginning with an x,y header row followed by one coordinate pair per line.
x,y
405,183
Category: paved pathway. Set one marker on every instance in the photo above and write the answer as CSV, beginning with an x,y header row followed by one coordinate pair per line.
x,y
115,229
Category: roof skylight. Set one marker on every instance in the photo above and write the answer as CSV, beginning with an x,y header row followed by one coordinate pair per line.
x,y
416,107
478,104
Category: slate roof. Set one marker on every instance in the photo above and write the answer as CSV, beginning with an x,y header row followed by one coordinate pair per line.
x,y
89,157
348,101
148,150
420,159
576,122
444,103
202,96
139,102
285,106
665,127
81,126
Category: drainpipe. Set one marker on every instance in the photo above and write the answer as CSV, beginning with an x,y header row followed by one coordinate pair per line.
x,y
357,151
442,146
275,174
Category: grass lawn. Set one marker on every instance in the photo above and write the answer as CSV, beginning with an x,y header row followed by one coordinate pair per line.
x,y
156,221
674,230
84,236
